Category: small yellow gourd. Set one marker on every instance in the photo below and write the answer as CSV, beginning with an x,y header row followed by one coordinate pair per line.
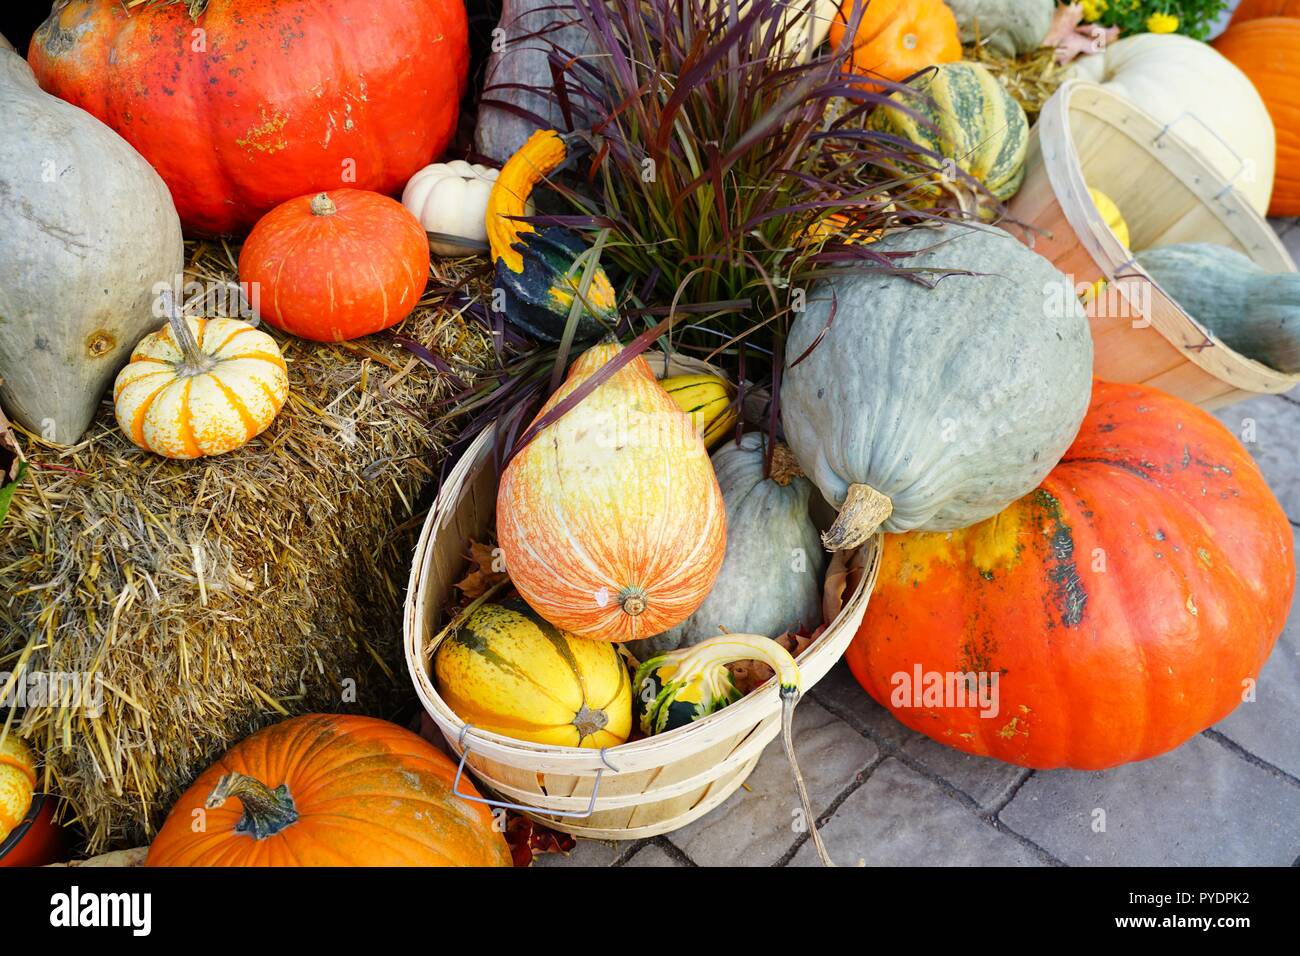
x,y
708,401
17,783
200,387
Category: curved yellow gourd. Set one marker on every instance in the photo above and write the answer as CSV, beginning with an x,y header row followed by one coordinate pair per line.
x,y
508,671
543,152
1110,215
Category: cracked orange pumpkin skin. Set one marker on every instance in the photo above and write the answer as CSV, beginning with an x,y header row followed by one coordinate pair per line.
x,y
1122,604
257,101
357,792
611,521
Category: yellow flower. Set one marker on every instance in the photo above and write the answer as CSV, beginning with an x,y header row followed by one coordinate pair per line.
x,y
1162,23
1093,9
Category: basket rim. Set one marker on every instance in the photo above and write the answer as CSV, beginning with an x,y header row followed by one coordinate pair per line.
x,y
748,712
1065,173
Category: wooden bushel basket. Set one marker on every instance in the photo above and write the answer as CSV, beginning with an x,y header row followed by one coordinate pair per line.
x,y
1087,136
631,791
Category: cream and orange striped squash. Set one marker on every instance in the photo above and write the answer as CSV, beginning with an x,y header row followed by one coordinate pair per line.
x,y
17,783
200,387
611,521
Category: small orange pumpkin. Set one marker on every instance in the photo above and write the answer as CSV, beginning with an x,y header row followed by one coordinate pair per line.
x,y
611,521
329,790
897,38
337,265
1268,52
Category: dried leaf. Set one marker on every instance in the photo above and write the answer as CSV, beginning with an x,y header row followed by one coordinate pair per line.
x,y
528,839
482,577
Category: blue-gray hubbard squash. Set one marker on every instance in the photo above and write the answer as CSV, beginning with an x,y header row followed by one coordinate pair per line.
x,y
86,230
771,576
1007,27
1252,311
932,407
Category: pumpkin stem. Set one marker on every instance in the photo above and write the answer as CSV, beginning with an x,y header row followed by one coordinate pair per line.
x,y
785,468
266,811
196,362
322,205
864,511
632,600
589,721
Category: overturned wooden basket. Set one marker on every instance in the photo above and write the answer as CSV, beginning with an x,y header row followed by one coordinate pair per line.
x,y
628,792
1167,193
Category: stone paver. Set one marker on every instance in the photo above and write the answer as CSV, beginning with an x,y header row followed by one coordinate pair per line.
x,y
653,855
1268,725
840,693
1199,805
1273,423
586,853
899,818
983,779
756,825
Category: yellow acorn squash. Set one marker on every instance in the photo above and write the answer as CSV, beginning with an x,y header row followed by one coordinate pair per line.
x,y
507,670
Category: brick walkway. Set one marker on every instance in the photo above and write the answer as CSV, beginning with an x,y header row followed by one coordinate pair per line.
x,y
889,796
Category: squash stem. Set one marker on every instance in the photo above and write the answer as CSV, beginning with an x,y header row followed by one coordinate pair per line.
x,y
322,205
790,697
266,811
194,360
864,511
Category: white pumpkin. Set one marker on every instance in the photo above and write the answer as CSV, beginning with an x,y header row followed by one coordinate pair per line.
x,y
1213,106
451,198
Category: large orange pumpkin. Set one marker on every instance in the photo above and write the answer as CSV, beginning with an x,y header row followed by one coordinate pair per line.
x,y
896,38
337,265
329,790
610,520
1255,9
1123,606
1268,51
256,101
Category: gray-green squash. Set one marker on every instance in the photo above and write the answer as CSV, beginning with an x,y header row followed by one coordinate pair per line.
x,y
1250,310
1007,27
87,229
932,408
771,576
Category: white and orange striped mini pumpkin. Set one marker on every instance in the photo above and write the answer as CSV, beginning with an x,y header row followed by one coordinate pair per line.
x,y
200,387
17,783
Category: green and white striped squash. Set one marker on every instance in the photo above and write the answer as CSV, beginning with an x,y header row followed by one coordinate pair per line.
x,y
977,126
771,577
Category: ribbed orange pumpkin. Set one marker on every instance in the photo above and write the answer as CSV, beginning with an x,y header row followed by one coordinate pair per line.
x,y
1256,9
329,790
337,265
896,38
1122,605
1268,51
611,521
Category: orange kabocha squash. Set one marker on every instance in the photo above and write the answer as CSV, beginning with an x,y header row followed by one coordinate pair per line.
x,y
337,265
897,38
329,790
1109,616
1257,9
1268,51
611,521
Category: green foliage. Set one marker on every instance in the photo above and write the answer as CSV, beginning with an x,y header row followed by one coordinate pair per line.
x,y
1195,17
